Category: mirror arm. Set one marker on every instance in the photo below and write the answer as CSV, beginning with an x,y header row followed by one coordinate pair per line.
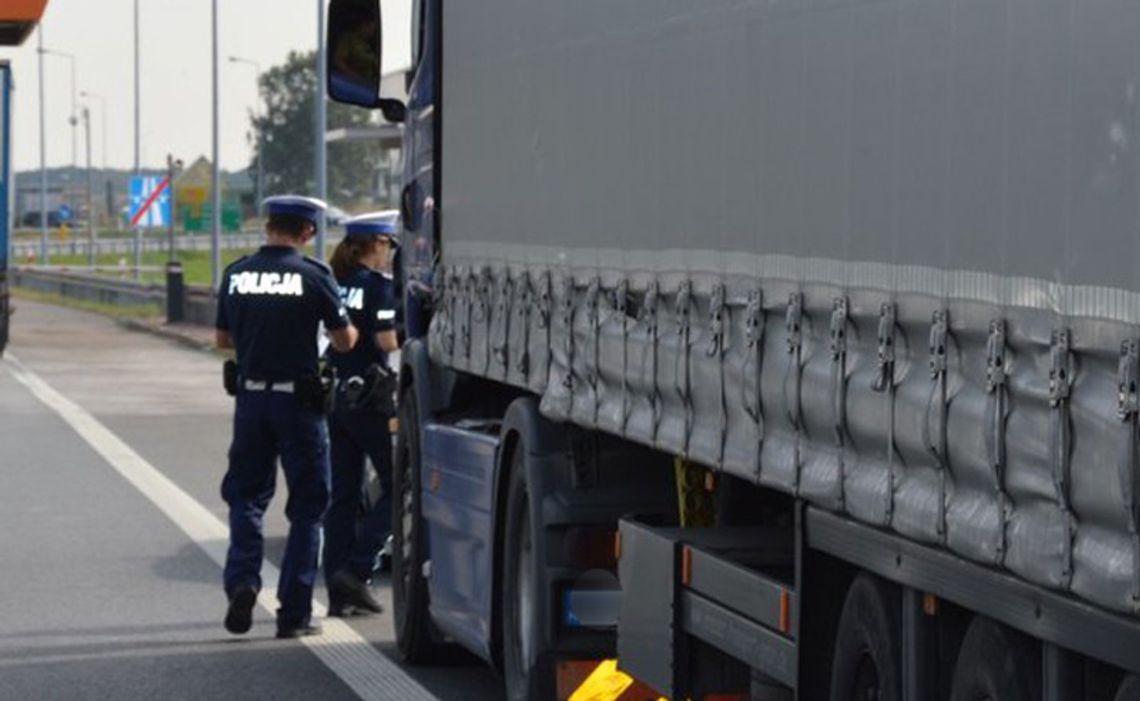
x,y
394,111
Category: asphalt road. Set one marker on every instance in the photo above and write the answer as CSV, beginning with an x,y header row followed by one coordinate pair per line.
x,y
104,593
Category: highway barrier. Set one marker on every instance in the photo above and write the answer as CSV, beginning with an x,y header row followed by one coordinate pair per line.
x,y
198,302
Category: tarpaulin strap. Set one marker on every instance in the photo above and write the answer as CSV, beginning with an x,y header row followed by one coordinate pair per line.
x,y
838,346
793,324
649,317
885,382
793,375
485,301
718,345
885,362
501,321
996,415
681,377
1060,437
594,317
545,319
936,439
753,364
447,287
567,318
1128,410
469,285
621,307
520,329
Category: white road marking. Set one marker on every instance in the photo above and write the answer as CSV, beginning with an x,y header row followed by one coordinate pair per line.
x,y
344,651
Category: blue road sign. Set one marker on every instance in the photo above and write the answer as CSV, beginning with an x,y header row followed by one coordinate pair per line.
x,y
64,213
150,201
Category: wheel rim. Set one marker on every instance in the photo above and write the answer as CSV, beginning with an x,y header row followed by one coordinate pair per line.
x,y
407,520
866,686
524,591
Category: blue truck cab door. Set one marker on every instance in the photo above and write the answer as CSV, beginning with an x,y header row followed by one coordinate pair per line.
x,y
420,194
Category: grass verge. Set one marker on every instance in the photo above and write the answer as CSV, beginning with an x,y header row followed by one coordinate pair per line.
x,y
112,310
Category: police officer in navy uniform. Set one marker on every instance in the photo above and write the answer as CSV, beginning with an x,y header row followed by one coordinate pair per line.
x,y
270,306
358,426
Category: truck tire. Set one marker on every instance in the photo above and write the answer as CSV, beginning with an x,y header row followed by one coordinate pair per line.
x,y
868,643
996,664
525,665
1129,689
416,636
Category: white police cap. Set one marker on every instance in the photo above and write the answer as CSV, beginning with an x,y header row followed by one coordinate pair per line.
x,y
385,223
305,207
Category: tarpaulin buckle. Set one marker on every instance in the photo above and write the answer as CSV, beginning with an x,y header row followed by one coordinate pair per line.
x,y
1127,398
793,321
938,333
838,328
995,356
885,361
717,307
1061,368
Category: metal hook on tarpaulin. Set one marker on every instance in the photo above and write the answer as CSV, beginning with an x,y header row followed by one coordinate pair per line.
x,y
750,386
1061,438
996,412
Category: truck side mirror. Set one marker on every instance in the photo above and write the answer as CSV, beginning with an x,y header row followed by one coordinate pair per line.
x,y
355,45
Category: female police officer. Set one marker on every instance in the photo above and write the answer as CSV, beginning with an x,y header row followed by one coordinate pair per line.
x,y
358,427
269,307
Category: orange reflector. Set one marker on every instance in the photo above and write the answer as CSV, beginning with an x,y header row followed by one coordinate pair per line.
x,y
686,565
930,604
785,613
710,481
617,545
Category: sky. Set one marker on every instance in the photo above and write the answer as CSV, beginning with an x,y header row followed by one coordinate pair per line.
x,y
175,79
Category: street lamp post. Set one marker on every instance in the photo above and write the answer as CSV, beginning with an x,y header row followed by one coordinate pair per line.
x,y
43,156
216,195
90,201
138,94
322,127
260,193
87,94
73,120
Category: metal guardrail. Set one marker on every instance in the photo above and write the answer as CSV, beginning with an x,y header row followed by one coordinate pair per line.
x,y
24,249
199,301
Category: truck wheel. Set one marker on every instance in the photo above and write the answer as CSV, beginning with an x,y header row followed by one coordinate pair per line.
x,y
524,662
996,664
1129,689
867,644
415,634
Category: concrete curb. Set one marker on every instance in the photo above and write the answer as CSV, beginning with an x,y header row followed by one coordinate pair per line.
x,y
162,330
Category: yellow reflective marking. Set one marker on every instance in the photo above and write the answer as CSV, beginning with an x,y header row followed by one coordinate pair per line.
x,y
605,683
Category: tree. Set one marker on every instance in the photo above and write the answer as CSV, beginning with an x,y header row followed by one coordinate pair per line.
x,y
285,132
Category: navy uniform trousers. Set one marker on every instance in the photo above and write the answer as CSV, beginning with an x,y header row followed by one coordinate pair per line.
x,y
268,425
350,544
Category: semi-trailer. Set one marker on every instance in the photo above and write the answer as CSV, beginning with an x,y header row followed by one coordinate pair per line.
x,y
775,348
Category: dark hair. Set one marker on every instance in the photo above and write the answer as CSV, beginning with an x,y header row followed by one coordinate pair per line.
x,y
288,225
346,258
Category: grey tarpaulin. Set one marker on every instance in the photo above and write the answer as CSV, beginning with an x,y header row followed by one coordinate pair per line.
x,y
879,254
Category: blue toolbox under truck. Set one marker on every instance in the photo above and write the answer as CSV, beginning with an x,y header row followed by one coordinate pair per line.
x,y
768,349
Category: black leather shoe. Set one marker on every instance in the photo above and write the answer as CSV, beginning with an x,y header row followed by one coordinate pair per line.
x,y
239,615
301,631
339,609
352,591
